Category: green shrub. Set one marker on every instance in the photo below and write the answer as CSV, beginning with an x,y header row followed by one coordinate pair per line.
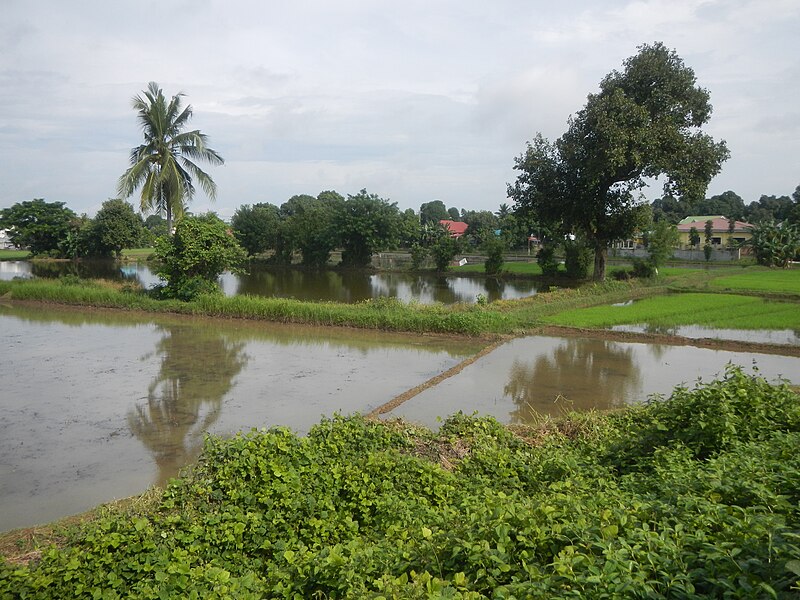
x,y
546,259
578,259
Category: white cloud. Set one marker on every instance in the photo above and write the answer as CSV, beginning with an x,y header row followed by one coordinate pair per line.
x,y
413,100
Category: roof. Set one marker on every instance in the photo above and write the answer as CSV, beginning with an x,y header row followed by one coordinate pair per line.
x,y
703,218
456,228
719,224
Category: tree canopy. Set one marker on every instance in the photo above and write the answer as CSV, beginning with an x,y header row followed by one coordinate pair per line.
x,y
116,226
41,227
166,163
643,123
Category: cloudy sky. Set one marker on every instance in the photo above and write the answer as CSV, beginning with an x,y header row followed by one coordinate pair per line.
x,y
414,100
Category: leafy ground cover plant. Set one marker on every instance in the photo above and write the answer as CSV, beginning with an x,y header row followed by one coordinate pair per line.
x,y
691,497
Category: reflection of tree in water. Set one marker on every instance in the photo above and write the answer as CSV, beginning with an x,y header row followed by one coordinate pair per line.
x,y
581,374
185,399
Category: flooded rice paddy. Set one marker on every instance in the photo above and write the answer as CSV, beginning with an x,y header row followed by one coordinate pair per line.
x,y
530,377
98,406
101,405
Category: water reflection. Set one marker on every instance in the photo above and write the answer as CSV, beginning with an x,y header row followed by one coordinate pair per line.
x,y
540,375
185,398
578,374
312,285
100,405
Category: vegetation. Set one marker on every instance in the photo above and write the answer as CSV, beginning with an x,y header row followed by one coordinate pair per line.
x,y
200,251
775,245
691,497
710,310
116,226
256,227
164,165
41,227
365,225
643,123
760,280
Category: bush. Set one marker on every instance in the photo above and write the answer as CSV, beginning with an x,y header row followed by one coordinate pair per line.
x,y
200,251
546,259
577,259
493,246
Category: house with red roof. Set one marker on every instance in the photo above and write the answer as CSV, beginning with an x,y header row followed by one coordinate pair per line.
x,y
456,228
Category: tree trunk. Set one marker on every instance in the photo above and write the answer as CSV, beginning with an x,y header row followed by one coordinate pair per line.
x,y
600,264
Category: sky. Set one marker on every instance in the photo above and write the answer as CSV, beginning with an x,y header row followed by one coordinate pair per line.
x,y
415,101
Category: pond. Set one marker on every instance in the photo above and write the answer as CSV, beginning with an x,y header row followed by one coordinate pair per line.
x,y
327,285
534,376
100,405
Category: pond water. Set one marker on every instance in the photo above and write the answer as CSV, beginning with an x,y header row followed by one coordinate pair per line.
x,y
98,406
328,285
538,375
758,336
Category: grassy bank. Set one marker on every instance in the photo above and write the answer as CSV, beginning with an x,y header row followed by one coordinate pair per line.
x,y
693,497
381,313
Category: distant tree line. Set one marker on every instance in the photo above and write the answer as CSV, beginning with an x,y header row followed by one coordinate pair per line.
x,y
50,229
729,204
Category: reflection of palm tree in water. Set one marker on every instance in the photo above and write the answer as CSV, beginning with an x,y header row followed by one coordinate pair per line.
x,y
185,399
581,374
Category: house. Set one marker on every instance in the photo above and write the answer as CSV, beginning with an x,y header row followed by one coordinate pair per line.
x,y
456,228
720,231
5,240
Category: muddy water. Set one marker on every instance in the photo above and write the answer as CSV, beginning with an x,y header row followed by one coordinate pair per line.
x,y
759,336
336,286
97,406
533,376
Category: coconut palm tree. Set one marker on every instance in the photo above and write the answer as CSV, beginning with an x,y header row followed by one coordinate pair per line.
x,y
164,165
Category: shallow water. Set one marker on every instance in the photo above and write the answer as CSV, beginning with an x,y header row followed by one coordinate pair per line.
x,y
98,406
335,286
538,375
759,336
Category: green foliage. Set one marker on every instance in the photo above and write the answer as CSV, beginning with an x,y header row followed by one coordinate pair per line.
x,y
41,227
444,248
257,227
430,213
200,251
775,245
661,241
310,225
367,224
164,166
691,497
694,236
418,255
546,259
116,226
494,248
577,259
643,123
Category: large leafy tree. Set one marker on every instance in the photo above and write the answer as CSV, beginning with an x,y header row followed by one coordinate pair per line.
x,y
309,225
643,123
256,227
430,213
165,165
41,227
367,224
116,226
